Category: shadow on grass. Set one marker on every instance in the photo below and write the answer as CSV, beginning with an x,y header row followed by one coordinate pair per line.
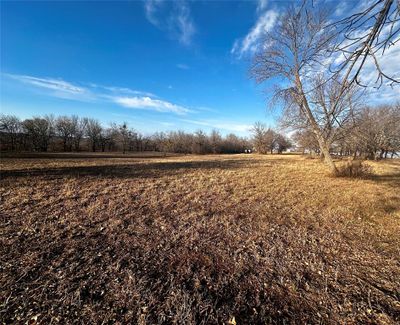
x,y
131,170
392,179
86,155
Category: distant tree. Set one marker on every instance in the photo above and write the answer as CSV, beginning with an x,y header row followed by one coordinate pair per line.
x,y
200,142
305,140
65,128
282,143
80,126
270,139
264,139
105,138
215,141
124,135
233,144
94,132
11,126
377,132
39,131
258,130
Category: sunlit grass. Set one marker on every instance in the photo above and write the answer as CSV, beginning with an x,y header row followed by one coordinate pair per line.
x,y
199,239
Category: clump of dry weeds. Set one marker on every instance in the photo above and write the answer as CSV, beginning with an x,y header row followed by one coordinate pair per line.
x,y
355,168
198,240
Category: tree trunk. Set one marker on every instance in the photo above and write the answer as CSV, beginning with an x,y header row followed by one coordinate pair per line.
x,y
77,144
323,145
328,158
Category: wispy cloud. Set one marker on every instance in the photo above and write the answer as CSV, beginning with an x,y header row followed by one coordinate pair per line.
x,y
151,8
122,90
50,83
183,66
184,23
261,5
148,103
220,124
250,43
340,8
122,96
174,17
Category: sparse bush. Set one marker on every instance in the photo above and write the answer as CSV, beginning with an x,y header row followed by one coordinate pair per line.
x,y
354,168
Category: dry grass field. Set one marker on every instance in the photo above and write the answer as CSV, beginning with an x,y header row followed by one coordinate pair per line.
x,y
242,239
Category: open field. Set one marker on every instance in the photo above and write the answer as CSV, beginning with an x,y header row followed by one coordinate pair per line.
x,y
198,239
85,155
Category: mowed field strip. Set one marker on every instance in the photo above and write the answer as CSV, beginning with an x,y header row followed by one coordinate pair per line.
x,y
198,239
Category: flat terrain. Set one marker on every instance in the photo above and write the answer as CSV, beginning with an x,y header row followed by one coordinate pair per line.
x,y
198,239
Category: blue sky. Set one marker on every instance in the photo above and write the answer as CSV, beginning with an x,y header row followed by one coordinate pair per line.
x,y
156,65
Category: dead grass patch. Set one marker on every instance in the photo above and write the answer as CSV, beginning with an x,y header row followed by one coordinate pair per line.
x,y
198,239
355,169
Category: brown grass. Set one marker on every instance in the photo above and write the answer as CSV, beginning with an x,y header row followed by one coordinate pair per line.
x,y
200,239
355,168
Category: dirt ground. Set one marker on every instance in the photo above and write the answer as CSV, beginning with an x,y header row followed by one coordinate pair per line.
x,y
243,239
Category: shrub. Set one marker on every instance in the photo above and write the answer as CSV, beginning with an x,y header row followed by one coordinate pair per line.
x,y
354,168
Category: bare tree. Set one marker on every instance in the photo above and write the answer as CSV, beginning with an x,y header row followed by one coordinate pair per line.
x,y
282,143
125,136
365,36
65,128
80,125
233,144
200,142
258,130
270,140
306,141
39,131
292,51
215,141
267,140
94,129
11,127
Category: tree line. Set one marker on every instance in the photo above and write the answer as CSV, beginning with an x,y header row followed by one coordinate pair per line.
x,y
374,133
73,133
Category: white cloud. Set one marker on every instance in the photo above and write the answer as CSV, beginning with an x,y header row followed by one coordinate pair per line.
x,y
184,23
340,8
49,83
173,17
151,7
222,125
261,5
122,90
122,96
250,43
150,104
183,66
